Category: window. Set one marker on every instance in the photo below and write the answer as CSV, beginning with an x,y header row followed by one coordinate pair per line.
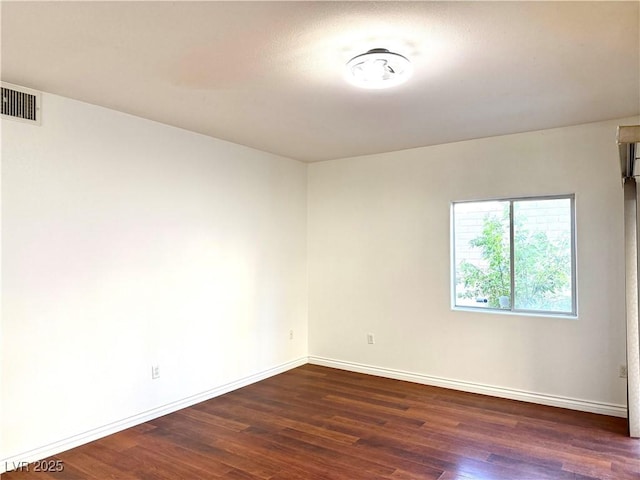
x,y
516,255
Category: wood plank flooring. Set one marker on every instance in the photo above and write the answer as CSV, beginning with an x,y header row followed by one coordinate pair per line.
x,y
317,423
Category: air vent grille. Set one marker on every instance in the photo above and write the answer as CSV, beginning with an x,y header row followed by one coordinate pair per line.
x,y
21,104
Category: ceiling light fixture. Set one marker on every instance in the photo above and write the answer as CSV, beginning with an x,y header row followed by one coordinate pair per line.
x,y
378,68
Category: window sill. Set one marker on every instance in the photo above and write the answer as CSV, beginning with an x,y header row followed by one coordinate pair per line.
x,y
516,313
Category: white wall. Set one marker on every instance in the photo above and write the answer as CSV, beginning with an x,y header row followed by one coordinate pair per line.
x,y
127,243
379,262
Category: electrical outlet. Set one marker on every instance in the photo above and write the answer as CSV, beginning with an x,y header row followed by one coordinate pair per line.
x,y
371,339
290,334
623,371
155,372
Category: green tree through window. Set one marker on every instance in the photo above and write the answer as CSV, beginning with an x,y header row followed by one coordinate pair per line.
x,y
541,263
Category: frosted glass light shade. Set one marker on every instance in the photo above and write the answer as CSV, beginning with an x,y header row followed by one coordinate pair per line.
x,y
378,68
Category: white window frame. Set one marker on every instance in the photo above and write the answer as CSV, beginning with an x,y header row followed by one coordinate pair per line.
x,y
512,310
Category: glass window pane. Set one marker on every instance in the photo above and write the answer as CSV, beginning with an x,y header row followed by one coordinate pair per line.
x,y
542,255
482,255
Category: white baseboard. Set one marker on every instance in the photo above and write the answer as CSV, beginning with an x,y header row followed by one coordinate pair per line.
x,y
55,448
512,394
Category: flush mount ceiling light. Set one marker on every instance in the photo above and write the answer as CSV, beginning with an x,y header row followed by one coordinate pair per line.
x,y
378,68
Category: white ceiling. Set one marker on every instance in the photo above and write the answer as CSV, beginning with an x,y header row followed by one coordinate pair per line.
x,y
269,74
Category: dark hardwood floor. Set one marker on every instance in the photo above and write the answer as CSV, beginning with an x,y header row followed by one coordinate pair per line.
x,y
317,423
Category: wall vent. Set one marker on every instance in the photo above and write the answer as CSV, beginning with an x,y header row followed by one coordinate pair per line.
x,y
20,103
